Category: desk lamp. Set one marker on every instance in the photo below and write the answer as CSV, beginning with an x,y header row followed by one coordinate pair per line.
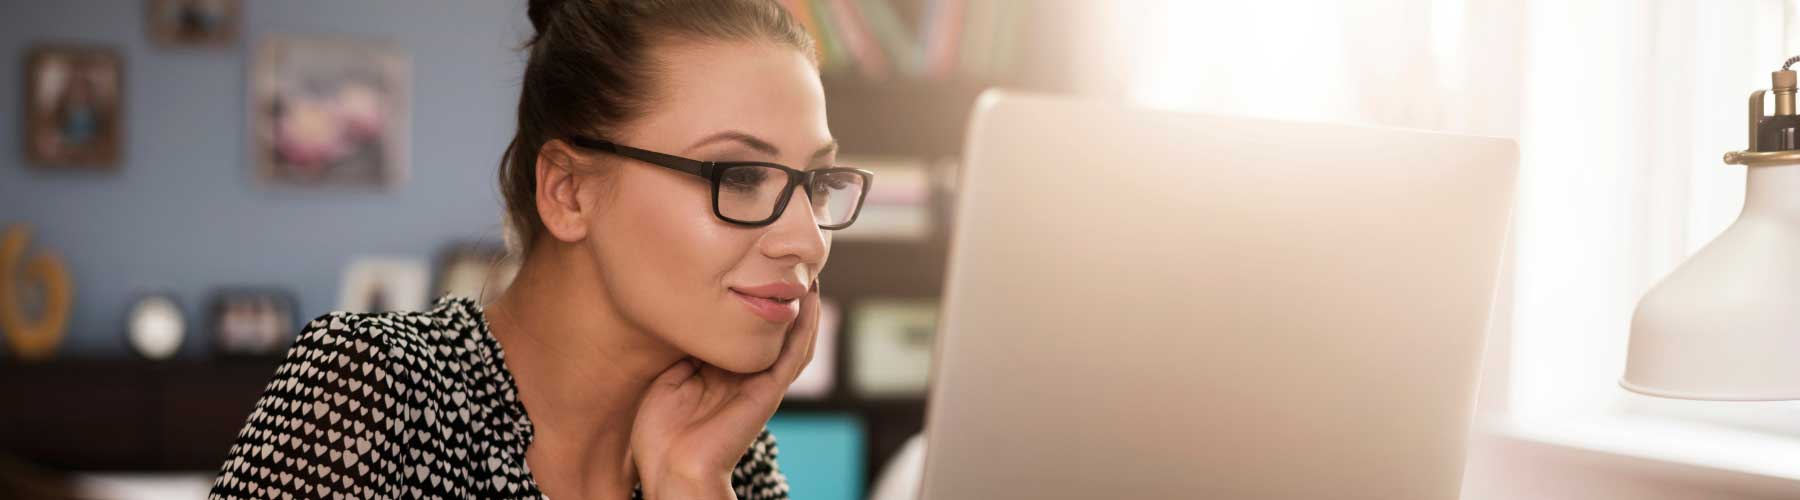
x,y
1725,325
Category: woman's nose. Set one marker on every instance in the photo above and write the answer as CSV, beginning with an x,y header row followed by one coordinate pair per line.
x,y
796,233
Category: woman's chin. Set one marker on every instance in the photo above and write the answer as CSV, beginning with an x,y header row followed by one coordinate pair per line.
x,y
748,357
743,365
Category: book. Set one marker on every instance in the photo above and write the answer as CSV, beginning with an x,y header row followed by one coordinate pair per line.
x,y
869,56
1006,37
942,32
835,54
977,48
898,42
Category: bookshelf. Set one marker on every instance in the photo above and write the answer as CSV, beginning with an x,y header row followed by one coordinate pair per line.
x,y
900,118
128,415
894,119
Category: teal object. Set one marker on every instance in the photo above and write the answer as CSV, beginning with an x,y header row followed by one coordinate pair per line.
x,y
821,454
80,124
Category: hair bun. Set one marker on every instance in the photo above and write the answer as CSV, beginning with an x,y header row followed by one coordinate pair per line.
x,y
541,11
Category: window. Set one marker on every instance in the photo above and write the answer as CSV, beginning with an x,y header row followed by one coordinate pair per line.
x,y
1622,108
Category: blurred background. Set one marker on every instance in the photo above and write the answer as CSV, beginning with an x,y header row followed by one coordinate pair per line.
x,y
184,182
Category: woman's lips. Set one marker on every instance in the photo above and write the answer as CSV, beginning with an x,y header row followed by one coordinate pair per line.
x,y
775,311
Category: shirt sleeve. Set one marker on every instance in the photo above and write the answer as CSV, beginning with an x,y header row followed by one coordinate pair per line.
x,y
326,425
757,477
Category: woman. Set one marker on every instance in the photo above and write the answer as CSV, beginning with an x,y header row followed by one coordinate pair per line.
x,y
662,307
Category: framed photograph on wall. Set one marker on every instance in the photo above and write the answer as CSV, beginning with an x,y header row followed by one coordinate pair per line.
x,y
890,347
252,322
74,102
194,23
379,284
478,271
898,206
819,377
329,112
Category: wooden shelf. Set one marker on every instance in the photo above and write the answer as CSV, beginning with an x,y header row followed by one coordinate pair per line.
x,y
128,415
871,269
910,405
110,415
900,118
923,120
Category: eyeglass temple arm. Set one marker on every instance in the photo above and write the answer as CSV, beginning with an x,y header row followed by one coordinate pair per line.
x,y
695,167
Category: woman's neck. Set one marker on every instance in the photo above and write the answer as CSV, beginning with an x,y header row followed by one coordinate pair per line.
x,y
581,370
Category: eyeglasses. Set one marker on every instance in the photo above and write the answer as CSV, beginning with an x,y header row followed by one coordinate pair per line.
x,y
754,193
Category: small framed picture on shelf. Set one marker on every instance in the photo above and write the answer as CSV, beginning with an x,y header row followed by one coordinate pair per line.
x,y
194,23
74,102
252,322
820,375
898,206
478,271
380,284
329,112
891,347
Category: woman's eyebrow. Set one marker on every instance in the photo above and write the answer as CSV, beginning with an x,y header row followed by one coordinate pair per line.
x,y
828,150
761,146
752,141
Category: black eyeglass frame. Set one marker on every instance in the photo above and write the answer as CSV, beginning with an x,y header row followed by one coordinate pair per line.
x,y
712,171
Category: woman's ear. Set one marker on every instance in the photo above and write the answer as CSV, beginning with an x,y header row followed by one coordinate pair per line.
x,y
561,204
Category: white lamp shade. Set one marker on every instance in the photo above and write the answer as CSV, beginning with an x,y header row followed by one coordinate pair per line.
x,y
1726,324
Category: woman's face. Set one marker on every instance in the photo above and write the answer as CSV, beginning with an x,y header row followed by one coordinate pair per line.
x,y
672,268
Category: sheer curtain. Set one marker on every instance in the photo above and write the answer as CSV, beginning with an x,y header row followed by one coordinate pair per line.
x,y
1622,109
1627,108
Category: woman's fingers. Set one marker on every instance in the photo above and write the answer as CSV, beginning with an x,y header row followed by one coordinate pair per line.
x,y
675,374
812,342
798,347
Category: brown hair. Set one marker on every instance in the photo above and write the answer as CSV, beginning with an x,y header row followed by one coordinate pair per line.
x,y
589,71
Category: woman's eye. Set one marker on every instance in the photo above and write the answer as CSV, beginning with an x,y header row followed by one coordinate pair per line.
x,y
830,182
743,178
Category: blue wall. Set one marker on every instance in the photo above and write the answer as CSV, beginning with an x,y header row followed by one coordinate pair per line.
x,y
183,213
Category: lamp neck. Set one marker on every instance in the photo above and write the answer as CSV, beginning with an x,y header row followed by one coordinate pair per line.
x,y
1773,190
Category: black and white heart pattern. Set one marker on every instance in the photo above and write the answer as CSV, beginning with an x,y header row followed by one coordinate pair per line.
x,y
406,405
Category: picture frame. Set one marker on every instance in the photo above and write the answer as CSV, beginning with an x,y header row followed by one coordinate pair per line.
x,y
252,321
479,271
380,284
75,102
890,347
329,113
819,377
898,205
194,23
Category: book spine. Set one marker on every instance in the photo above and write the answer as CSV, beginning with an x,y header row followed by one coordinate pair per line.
x,y
978,38
894,38
867,52
1006,37
943,37
830,37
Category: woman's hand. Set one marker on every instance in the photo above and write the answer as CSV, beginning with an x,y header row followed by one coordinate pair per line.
x,y
698,420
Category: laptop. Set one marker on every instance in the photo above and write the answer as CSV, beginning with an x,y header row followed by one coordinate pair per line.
x,y
1150,304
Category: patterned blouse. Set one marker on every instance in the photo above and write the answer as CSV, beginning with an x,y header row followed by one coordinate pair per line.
x,y
406,405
